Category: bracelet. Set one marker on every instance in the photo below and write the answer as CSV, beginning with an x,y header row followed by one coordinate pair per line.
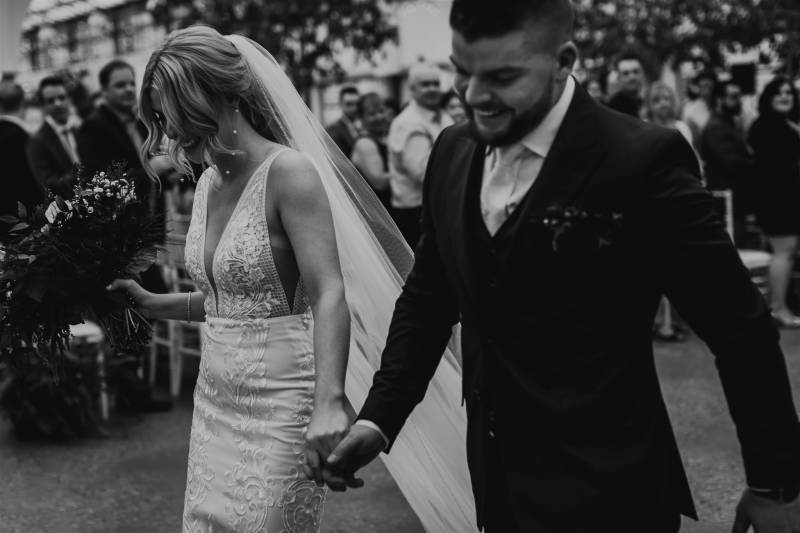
x,y
189,307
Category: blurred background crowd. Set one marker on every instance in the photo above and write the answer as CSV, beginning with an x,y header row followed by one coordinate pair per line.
x,y
724,73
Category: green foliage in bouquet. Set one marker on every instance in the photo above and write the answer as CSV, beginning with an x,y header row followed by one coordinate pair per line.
x,y
58,261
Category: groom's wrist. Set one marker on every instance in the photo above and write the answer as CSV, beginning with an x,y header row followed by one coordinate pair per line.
x,y
372,425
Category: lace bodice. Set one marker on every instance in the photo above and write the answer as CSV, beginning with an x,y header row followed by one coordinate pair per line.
x,y
243,268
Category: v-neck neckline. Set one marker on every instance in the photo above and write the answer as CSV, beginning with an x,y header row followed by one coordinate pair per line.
x,y
250,180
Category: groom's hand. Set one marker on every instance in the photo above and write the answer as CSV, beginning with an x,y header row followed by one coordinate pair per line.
x,y
766,515
360,447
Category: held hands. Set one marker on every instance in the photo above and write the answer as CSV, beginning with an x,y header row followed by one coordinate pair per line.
x,y
765,515
142,299
360,447
328,426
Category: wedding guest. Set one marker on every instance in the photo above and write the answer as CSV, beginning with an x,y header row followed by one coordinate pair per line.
x,y
697,111
628,98
661,107
595,88
52,150
775,139
345,130
725,154
370,154
113,133
411,137
17,182
452,105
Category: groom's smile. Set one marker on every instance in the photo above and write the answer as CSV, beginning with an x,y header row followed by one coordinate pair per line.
x,y
509,82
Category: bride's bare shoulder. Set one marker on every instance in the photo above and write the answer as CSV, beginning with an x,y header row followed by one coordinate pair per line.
x,y
294,172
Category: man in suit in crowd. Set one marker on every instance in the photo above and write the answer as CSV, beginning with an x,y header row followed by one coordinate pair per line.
x,y
346,130
723,148
18,184
52,151
629,99
113,133
551,227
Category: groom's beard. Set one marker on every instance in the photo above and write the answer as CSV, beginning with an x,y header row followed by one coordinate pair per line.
x,y
520,124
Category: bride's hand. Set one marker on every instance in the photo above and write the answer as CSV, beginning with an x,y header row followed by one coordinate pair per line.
x,y
141,298
328,426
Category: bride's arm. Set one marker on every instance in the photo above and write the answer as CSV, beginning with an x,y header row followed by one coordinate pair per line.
x,y
305,214
173,306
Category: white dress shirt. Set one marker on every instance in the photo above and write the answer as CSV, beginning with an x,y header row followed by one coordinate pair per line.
x,y
530,152
510,171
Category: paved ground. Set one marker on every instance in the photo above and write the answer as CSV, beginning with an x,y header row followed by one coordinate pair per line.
x,y
133,481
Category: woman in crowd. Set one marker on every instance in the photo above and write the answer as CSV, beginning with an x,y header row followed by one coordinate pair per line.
x,y
370,153
662,109
775,140
451,104
594,86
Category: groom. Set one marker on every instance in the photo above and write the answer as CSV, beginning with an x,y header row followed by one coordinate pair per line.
x,y
551,227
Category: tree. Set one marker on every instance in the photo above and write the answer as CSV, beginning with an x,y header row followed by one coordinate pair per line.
x,y
303,35
673,30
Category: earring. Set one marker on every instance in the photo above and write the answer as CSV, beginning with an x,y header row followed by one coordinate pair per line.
x,y
236,110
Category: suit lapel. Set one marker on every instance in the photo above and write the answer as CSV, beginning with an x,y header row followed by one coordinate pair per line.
x,y
468,167
56,146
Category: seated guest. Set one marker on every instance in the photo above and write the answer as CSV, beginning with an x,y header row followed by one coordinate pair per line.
x,y
17,182
370,154
52,151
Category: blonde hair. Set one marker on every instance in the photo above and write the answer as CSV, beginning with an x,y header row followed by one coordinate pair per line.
x,y
661,87
197,72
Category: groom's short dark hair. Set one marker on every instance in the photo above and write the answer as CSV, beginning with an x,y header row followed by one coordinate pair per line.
x,y
475,19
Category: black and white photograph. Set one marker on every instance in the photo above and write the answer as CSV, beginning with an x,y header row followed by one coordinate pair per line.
x,y
399,266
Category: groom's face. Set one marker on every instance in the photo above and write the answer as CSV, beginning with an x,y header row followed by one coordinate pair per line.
x,y
508,82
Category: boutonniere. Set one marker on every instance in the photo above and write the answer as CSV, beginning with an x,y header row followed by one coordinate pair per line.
x,y
572,227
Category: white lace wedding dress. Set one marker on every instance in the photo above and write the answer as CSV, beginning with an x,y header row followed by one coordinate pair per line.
x,y
254,393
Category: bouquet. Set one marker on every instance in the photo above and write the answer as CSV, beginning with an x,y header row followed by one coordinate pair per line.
x,y
59,259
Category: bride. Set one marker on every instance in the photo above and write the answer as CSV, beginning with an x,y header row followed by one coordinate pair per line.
x,y
283,229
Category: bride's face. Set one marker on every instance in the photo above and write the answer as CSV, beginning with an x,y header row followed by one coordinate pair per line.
x,y
192,144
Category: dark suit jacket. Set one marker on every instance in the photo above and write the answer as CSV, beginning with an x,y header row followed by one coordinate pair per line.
x,y
723,148
50,162
18,183
341,135
103,139
576,409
